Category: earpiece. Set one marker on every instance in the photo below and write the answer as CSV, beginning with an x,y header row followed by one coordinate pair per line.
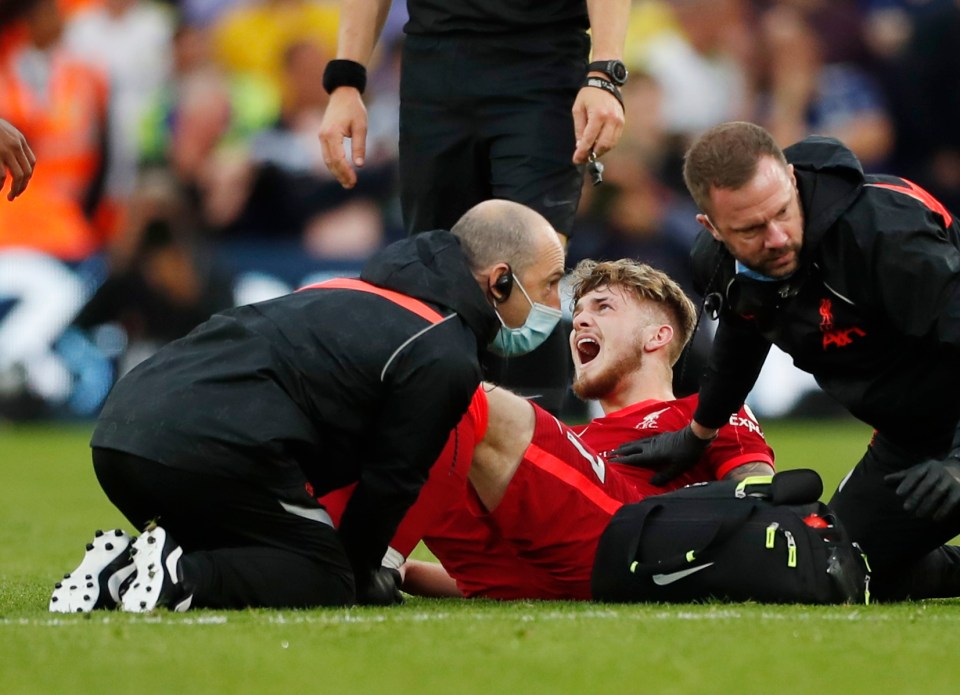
x,y
503,286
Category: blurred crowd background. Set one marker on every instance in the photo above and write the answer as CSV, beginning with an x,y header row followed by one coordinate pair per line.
x,y
179,170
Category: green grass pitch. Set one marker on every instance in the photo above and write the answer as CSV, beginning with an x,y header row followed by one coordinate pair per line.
x,y
52,504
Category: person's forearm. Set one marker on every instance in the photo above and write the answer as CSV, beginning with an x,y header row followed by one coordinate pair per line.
x,y
735,362
608,27
748,470
361,22
428,579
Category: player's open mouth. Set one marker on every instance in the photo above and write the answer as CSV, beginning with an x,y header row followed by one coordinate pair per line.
x,y
587,349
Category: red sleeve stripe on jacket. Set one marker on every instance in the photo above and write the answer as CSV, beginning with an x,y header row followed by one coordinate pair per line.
x,y
914,191
408,303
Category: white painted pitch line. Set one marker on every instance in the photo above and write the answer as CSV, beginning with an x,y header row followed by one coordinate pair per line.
x,y
865,614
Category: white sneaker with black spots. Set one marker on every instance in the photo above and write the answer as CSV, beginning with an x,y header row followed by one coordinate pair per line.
x,y
98,581
157,581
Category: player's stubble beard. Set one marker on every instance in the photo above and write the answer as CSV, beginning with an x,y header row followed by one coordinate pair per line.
x,y
600,383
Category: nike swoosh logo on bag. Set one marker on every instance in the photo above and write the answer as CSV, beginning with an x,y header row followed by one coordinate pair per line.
x,y
664,579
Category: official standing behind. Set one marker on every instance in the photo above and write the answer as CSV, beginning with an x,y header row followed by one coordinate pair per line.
x,y
857,277
224,437
16,159
497,100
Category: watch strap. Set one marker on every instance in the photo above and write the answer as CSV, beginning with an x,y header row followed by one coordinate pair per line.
x,y
607,86
607,67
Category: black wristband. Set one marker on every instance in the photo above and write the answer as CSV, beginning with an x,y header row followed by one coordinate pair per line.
x,y
344,73
607,86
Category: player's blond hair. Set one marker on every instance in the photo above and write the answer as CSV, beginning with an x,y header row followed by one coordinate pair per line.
x,y
643,282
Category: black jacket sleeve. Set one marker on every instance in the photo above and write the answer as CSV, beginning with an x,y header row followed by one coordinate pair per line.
x,y
738,349
739,352
428,387
916,275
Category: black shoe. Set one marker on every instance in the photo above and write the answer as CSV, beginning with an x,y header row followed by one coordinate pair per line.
x,y
98,580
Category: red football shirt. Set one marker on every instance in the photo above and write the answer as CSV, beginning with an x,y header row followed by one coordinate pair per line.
x,y
740,441
485,564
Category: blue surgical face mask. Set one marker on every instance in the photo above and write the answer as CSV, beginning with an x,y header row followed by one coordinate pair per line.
x,y
511,342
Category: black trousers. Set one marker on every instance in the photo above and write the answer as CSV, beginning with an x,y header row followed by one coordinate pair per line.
x,y
243,545
489,116
907,553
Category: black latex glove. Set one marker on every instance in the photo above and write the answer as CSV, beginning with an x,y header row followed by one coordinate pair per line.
x,y
380,588
670,453
930,490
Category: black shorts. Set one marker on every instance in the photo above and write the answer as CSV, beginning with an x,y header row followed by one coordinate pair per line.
x,y
487,116
247,545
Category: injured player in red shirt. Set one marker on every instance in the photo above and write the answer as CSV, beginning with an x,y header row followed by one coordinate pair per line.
x,y
515,505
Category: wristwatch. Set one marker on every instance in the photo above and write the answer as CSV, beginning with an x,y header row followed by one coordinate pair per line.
x,y
614,69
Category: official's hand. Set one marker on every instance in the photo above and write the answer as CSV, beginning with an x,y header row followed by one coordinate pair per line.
x,y
16,157
597,123
930,490
380,588
345,117
670,453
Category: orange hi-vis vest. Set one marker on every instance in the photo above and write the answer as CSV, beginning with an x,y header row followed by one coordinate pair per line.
x,y
64,127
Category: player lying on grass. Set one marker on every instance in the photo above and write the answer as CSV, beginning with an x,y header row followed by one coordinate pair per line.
x,y
541,492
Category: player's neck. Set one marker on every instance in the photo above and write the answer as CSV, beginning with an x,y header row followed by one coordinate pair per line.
x,y
649,383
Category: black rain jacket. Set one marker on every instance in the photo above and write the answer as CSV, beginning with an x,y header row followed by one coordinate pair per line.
x,y
873,311
330,386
